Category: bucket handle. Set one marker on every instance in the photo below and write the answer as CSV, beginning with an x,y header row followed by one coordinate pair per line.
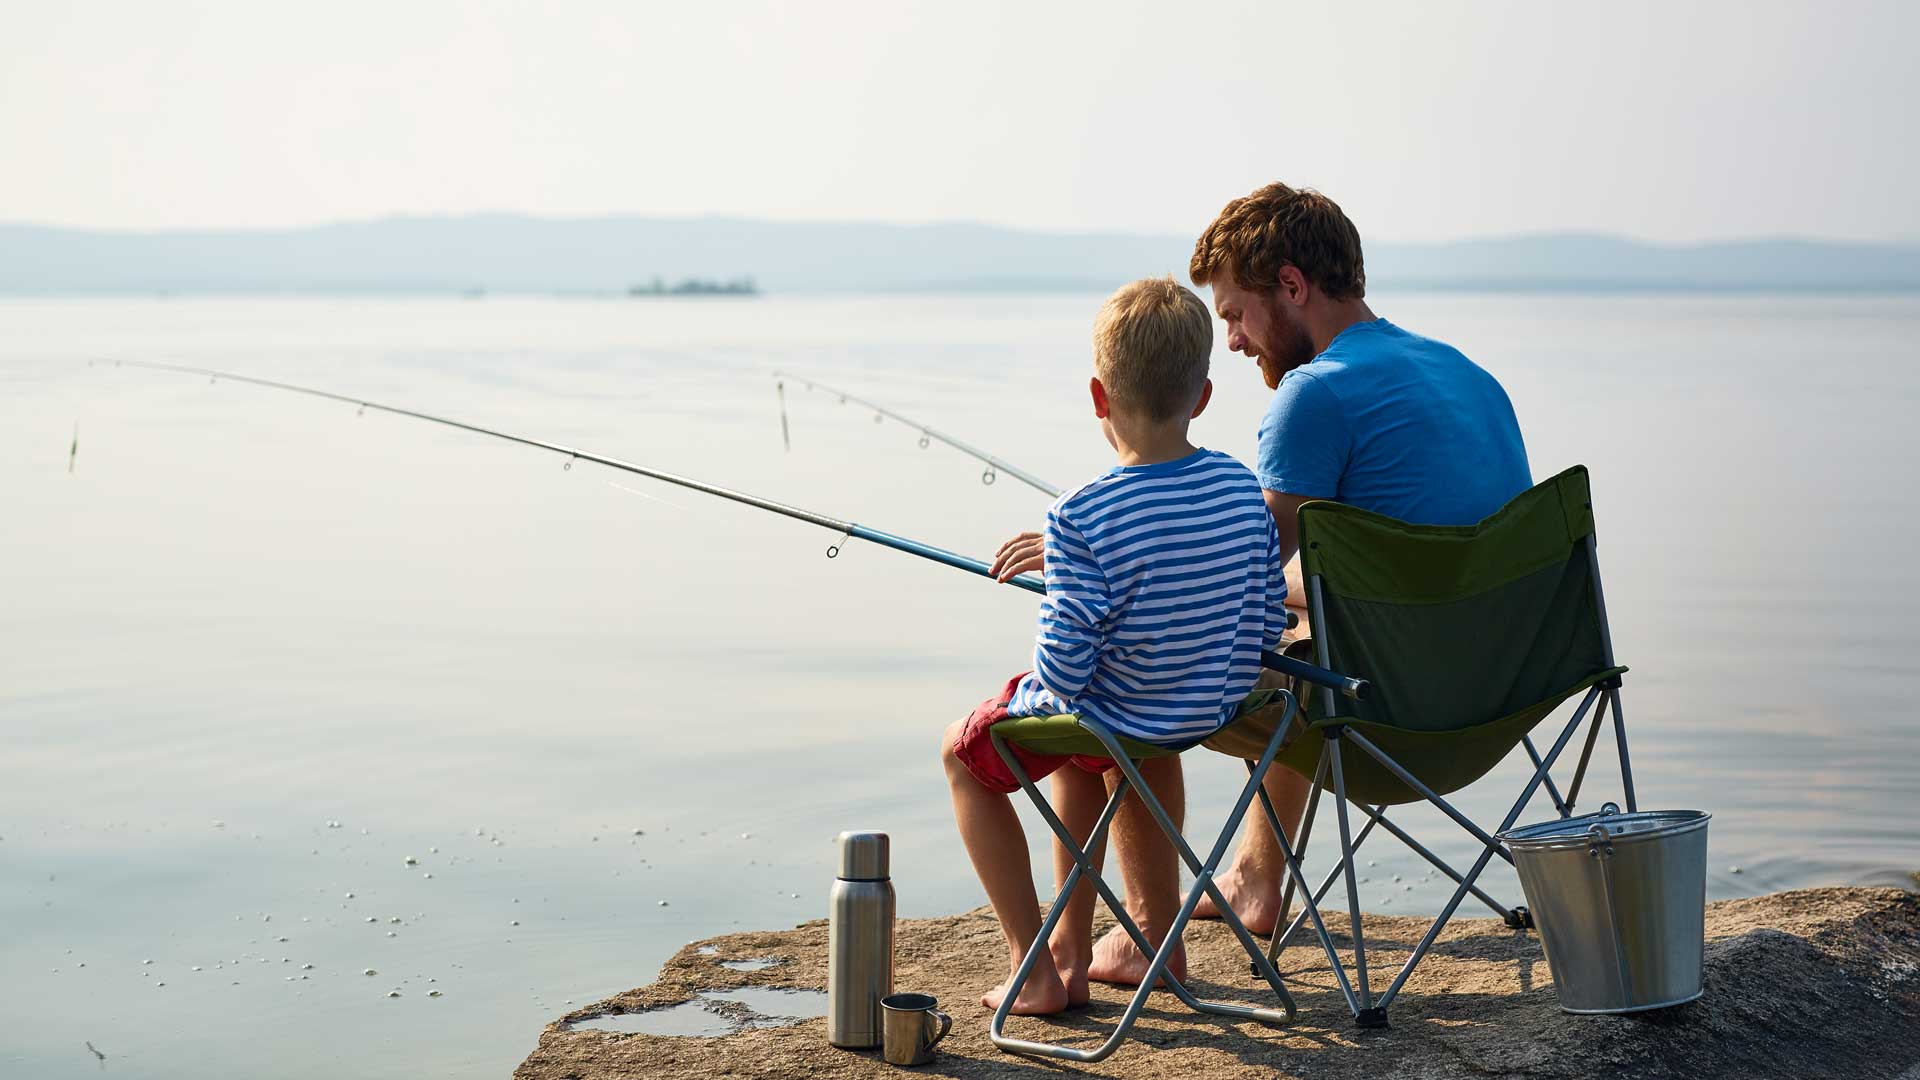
x,y
1600,844
1600,848
1599,840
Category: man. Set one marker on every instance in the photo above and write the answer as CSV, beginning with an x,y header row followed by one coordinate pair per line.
x,y
1363,413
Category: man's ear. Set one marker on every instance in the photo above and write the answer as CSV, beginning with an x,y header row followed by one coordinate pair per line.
x,y
1293,286
1101,406
1206,395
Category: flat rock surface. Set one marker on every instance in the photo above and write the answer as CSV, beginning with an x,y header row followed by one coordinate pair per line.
x,y
1818,982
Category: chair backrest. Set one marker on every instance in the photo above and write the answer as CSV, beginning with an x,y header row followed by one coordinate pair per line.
x,y
1457,626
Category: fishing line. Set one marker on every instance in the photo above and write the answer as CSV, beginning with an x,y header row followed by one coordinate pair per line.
x,y
995,466
644,495
786,441
846,530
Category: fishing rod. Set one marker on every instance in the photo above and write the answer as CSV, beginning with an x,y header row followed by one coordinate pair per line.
x,y
1353,688
846,529
927,434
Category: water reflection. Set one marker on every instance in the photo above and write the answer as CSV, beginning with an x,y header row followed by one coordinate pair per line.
x,y
355,640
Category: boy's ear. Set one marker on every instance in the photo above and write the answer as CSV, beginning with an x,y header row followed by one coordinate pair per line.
x,y
1102,408
1206,395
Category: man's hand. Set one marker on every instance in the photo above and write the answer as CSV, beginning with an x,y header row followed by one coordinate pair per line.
x,y
1023,553
1297,601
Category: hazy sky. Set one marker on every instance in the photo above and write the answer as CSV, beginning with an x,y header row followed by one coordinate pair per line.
x,y
1668,121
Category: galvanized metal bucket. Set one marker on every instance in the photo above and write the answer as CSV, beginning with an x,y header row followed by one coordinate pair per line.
x,y
1620,901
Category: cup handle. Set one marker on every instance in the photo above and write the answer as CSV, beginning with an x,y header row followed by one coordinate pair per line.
x,y
946,1025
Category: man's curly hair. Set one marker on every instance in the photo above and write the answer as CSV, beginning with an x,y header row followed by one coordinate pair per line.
x,y
1277,226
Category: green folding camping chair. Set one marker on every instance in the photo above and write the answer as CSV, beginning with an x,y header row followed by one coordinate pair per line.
x,y
1470,637
1071,734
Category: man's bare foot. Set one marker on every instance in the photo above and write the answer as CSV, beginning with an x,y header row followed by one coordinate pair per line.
x,y
1117,961
1072,970
1043,993
1257,906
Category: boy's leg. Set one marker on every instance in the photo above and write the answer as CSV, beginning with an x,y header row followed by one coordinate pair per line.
x,y
1150,869
1078,798
998,848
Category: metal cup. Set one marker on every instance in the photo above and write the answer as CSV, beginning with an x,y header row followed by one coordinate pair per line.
x,y
908,1028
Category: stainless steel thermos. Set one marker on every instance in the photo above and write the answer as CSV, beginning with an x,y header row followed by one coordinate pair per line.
x,y
859,941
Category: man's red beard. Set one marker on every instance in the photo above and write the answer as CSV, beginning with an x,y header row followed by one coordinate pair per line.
x,y
1270,372
1291,347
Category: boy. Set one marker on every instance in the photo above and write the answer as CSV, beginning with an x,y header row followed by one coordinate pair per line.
x,y
1163,585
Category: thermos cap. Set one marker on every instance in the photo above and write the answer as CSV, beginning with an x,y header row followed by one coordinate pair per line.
x,y
863,855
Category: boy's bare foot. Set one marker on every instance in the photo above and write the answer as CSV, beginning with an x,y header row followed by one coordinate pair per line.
x,y
1117,961
1257,905
1072,970
1042,995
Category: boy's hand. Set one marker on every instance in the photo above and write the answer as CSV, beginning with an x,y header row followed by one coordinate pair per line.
x,y
1025,552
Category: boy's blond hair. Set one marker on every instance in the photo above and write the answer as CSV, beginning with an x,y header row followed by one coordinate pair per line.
x,y
1151,342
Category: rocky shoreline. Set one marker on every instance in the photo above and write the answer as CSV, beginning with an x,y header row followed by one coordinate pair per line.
x,y
1816,982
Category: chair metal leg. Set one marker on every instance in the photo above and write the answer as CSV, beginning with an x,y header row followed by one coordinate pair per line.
x,y
1304,834
1283,936
1493,848
1620,738
1613,684
1370,1012
1082,866
1204,871
1433,931
1368,1016
1437,862
1160,957
1275,942
1310,897
1559,804
1515,917
1426,792
1586,754
1310,909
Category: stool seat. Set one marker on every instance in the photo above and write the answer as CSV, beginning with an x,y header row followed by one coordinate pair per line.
x,y
1063,734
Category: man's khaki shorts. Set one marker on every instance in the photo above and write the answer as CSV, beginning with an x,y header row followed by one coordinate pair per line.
x,y
1247,736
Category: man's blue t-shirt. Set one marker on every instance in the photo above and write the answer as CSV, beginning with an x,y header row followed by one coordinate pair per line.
x,y
1397,424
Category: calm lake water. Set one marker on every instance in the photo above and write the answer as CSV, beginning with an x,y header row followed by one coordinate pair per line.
x,y
301,709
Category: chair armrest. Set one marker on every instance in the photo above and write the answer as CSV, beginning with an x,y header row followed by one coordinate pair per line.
x,y
1286,665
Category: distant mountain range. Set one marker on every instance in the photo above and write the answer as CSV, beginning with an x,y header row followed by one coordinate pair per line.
x,y
515,254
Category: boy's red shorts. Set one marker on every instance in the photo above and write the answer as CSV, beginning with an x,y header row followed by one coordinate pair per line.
x,y
975,748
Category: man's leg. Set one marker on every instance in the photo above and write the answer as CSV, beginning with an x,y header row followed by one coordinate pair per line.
x,y
1252,884
1150,869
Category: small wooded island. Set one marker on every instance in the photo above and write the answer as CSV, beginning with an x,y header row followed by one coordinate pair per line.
x,y
696,287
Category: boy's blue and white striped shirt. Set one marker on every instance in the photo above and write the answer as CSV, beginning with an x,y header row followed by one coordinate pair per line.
x,y
1163,584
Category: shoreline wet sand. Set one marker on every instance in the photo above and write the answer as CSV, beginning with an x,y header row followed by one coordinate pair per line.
x,y
1813,982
